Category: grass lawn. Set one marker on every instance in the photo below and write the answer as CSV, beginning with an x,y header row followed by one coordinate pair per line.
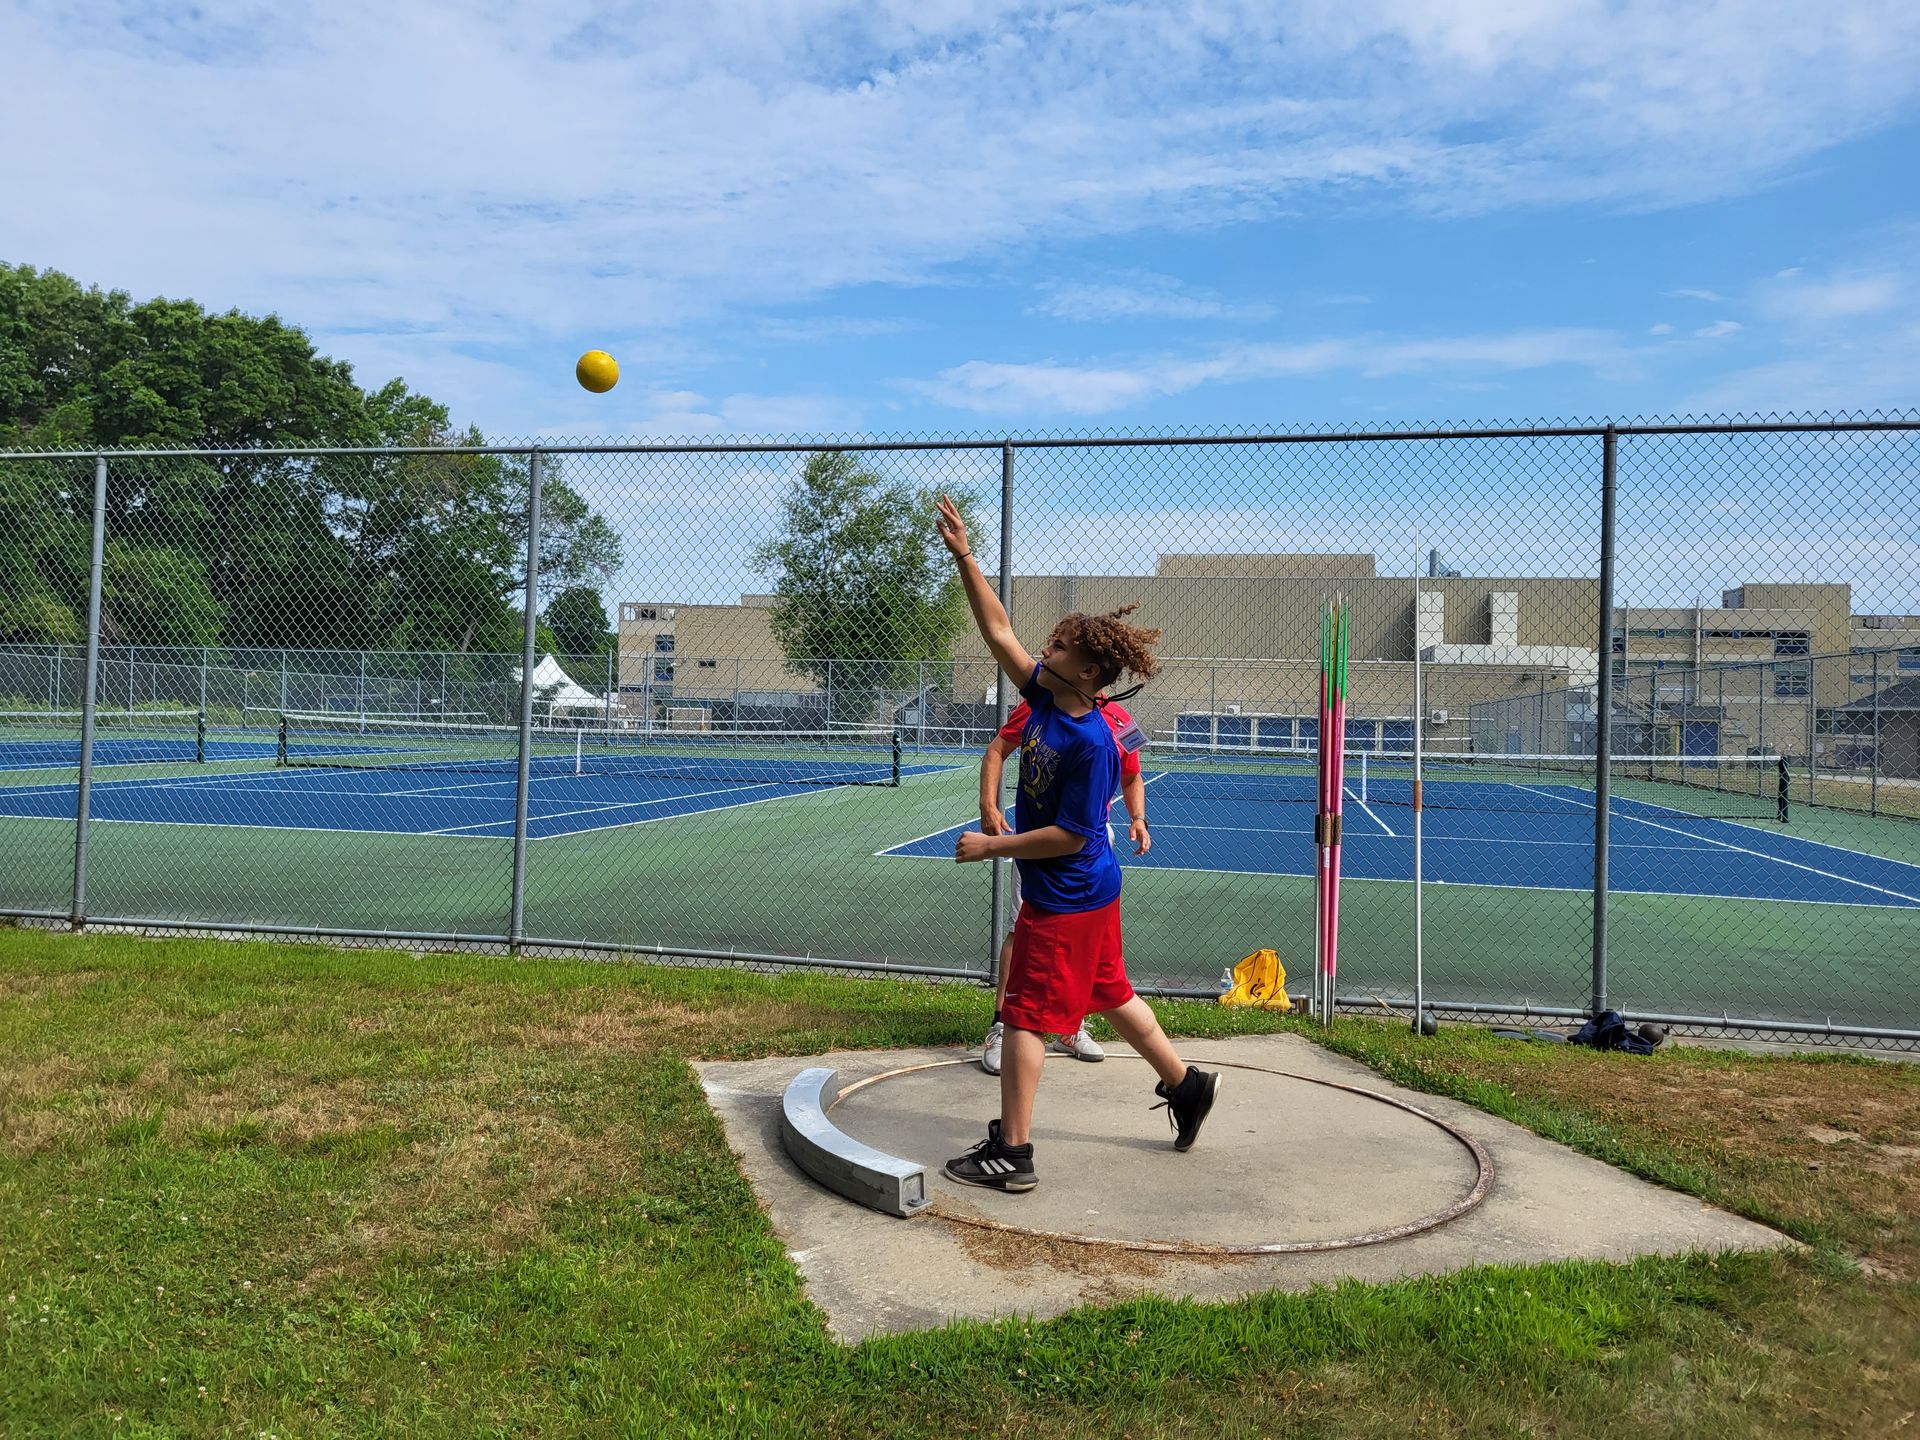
x,y
250,1189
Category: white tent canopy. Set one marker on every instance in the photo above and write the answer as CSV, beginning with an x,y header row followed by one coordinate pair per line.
x,y
554,689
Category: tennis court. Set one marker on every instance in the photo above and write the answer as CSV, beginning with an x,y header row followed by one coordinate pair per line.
x,y
785,844
413,777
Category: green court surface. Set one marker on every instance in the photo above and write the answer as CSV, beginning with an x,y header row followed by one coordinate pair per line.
x,y
799,875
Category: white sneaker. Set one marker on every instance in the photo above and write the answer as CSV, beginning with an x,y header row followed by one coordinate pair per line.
x,y
1080,1045
990,1052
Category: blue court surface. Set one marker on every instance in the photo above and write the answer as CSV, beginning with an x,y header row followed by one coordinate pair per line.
x,y
1535,836
382,787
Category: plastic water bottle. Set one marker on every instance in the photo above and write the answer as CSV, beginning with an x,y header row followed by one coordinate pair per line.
x,y
1226,981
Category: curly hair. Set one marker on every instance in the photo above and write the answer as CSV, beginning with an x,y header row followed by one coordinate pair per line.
x,y
1109,642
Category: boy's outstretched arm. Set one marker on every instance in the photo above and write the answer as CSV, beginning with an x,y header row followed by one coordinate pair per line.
x,y
989,615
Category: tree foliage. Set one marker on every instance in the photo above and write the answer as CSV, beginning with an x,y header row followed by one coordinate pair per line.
x,y
336,552
863,589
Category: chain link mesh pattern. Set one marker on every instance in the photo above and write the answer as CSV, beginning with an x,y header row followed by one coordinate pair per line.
x,y
747,612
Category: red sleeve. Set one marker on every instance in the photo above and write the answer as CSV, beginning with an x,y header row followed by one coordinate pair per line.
x,y
1117,720
1016,723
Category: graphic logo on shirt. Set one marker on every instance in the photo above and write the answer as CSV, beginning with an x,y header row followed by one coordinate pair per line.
x,y
1039,762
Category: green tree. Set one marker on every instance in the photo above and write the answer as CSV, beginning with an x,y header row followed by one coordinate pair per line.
x,y
332,552
863,589
577,623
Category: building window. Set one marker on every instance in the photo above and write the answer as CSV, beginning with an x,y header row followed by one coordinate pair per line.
x,y
709,664
1791,642
645,612
1792,680
663,671
663,644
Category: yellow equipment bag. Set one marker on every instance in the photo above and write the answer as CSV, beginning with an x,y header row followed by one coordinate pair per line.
x,y
1259,979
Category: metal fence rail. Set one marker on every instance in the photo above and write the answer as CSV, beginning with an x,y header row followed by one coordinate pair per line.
x,y
1642,617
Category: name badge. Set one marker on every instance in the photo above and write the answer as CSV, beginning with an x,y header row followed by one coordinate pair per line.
x,y
1131,738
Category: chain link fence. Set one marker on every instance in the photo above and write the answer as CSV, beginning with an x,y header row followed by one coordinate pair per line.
x,y
724,702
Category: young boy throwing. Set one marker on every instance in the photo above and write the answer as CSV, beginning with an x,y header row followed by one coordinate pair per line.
x,y
1066,941
993,821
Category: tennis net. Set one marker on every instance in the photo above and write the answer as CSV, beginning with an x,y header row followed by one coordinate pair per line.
x,y
751,757
1721,786
50,739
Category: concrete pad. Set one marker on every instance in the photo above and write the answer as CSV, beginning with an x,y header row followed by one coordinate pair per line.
x,y
1282,1160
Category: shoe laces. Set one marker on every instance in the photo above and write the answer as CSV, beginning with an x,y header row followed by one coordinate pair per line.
x,y
1166,1103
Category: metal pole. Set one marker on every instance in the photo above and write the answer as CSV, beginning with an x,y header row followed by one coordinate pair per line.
x,y
1419,724
1603,720
89,700
1002,707
1873,755
1813,711
283,682
516,919
203,681
610,686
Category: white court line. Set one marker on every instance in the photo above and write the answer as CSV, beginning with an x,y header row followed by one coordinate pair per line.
x,y
623,805
790,794
67,821
1756,854
1375,818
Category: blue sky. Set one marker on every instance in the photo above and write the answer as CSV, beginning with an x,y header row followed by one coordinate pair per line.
x,y
794,217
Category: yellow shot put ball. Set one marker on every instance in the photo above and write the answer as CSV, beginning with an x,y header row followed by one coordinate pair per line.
x,y
597,371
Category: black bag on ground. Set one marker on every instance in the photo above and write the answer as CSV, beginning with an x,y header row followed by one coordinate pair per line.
x,y
1610,1032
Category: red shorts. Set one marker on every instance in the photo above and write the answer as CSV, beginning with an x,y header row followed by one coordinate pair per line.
x,y
1064,968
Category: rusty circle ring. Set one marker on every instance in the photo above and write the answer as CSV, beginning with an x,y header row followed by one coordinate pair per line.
x,y
1482,1182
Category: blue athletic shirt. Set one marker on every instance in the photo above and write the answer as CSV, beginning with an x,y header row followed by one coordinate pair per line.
x,y
1069,770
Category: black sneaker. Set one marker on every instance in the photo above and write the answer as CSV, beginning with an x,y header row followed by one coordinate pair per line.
x,y
1187,1103
995,1164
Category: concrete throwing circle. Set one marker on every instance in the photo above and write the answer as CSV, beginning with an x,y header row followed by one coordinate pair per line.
x,y
1349,1156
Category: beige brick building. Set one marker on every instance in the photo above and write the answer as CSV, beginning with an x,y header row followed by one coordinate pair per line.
x,y
1508,663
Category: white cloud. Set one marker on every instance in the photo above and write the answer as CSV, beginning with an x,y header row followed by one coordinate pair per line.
x,y
821,329
1839,297
1717,329
485,179
1009,388
1140,296
1690,294
1661,329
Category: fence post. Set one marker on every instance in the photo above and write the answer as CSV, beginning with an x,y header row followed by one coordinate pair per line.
x,y
203,682
516,920
1002,705
1813,725
89,698
1603,718
1873,755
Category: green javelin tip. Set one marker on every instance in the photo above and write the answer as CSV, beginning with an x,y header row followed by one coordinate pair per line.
x,y
1340,652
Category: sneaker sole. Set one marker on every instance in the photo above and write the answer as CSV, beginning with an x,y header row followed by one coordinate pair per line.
x,y
1213,1094
1011,1186
990,1069
1076,1055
